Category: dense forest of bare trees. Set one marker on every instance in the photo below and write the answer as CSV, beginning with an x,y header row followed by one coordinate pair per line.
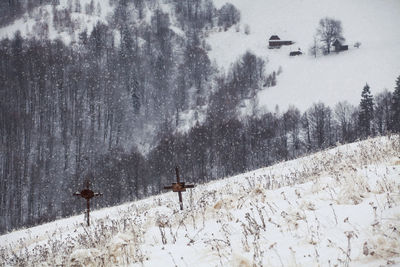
x,y
13,9
68,111
78,111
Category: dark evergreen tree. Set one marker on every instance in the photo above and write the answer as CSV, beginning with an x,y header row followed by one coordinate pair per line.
x,y
395,108
366,113
382,112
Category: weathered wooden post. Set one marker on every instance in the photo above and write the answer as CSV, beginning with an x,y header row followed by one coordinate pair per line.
x,y
87,194
179,187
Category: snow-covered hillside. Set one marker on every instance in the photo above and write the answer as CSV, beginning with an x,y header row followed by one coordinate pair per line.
x,y
340,207
304,79
39,23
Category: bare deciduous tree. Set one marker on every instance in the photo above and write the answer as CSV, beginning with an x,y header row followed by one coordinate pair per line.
x,y
314,47
328,31
228,16
344,113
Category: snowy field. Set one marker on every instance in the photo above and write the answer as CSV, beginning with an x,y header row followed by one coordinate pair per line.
x,y
305,80
340,207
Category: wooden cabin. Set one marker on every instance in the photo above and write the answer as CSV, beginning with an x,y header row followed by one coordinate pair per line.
x,y
276,42
295,53
339,46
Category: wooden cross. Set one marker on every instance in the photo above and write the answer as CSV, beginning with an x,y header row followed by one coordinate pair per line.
x,y
179,187
87,194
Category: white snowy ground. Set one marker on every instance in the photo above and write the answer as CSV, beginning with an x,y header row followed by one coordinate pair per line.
x,y
340,207
305,80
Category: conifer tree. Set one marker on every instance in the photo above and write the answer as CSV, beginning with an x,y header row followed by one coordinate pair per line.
x,y
366,111
395,108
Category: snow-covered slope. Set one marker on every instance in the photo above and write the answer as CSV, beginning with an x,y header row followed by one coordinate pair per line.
x,y
304,79
42,17
334,208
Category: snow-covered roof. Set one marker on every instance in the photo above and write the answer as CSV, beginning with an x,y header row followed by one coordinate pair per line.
x,y
337,42
274,37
